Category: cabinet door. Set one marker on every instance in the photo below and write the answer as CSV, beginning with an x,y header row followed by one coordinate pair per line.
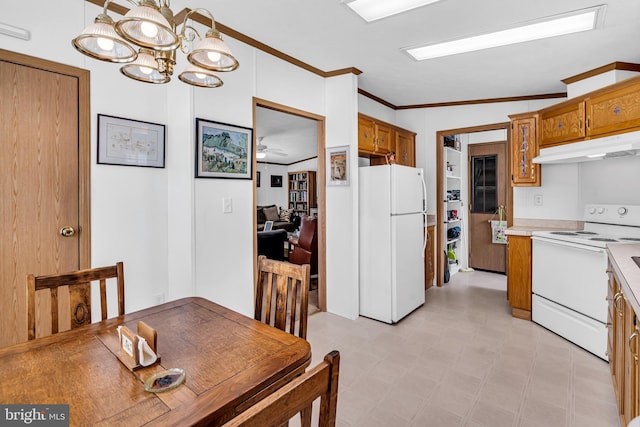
x,y
630,394
366,135
524,147
405,148
614,111
616,341
429,263
519,276
384,138
562,124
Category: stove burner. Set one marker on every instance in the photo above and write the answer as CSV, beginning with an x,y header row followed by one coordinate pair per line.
x,y
631,239
586,232
565,233
602,239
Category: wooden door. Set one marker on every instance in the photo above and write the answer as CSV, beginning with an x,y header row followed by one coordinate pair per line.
x,y
563,123
384,138
44,185
524,147
487,191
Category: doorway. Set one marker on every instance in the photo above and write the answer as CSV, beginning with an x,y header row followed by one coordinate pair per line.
x,y
441,214
319,142
487,193
45,159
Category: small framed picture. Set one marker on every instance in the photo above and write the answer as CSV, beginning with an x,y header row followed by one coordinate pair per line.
x,y
276,180
338,165
223,150
129,142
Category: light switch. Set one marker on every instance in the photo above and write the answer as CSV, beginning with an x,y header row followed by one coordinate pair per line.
x,y
227,205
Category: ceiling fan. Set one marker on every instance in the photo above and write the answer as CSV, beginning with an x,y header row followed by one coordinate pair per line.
x,y
262,150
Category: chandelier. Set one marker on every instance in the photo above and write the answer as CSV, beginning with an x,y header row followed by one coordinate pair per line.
x,y
145,40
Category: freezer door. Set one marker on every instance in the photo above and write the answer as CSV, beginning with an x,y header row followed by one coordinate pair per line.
x,y
407,265
407,190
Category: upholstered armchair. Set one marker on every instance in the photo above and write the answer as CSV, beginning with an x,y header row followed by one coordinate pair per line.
x,y
305,246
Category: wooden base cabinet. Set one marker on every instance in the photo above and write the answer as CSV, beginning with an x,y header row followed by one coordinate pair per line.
x,y
429,261
622,351
519,276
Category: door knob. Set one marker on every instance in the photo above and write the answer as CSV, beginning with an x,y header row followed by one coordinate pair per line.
x,y
67,231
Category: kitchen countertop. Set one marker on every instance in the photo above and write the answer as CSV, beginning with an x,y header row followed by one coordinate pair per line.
x,y
525,226
626,270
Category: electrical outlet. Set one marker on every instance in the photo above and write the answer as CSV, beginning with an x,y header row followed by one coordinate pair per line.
x,y
537,200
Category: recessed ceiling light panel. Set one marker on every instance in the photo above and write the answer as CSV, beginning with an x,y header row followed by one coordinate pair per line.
x,y
372,10
568,23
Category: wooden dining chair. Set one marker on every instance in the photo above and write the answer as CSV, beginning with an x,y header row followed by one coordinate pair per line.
x,y
283,404
282,295
79,290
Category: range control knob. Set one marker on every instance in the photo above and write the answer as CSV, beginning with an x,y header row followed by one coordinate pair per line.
x,y
592,211
600,210
622,210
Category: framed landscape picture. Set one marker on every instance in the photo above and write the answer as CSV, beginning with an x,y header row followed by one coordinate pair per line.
x,y
223,150
129,142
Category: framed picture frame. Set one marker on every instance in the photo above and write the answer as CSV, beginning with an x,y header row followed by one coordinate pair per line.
x,y
338,166
128,142
276,180
223,150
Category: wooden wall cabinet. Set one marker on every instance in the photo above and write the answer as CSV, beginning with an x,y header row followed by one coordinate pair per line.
x,y
613,111
302,192
405,147
519,276
524,147
429,258
562,123
622,351
377,138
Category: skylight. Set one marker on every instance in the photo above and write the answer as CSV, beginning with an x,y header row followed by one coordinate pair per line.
x,y
372,10
572,22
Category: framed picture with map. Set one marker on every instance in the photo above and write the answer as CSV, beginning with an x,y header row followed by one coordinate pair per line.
x,y
129,142
223,150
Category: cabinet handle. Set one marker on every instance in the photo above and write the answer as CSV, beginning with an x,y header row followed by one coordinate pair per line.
x,y
533,176
616,298
579,123
635,353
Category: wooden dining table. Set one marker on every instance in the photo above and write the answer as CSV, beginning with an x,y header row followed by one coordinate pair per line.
x,y
231,361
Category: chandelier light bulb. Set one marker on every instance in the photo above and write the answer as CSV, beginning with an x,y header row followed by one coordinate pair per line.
x,y
200,75
105,44
214,56
146,70
149,29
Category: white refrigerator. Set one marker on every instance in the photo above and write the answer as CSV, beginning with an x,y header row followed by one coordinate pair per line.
x,y
391,241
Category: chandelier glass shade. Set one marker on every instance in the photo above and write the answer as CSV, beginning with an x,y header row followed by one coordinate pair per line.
x,y
146,40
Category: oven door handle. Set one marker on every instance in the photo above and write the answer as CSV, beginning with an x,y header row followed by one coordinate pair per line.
x,y
570,244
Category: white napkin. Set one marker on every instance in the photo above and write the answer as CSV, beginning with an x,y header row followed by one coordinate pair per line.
x,y
146,355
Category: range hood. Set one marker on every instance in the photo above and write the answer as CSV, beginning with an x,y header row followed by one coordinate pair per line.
x,y
625,144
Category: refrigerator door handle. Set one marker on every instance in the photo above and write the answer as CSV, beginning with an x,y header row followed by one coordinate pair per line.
x,y
425,237
424,214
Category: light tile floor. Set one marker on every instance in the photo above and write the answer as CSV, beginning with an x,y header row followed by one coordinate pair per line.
x,y
462,360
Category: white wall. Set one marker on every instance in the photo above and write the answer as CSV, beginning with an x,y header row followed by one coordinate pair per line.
x,y
268,195
166,226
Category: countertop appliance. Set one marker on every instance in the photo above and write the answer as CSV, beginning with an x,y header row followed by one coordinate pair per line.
x,y
392,241
569,282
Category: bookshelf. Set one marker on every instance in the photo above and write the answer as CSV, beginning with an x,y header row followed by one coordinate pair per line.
x,y
302,192
452,204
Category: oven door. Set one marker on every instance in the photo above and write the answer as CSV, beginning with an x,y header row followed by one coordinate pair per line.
x,y
571,275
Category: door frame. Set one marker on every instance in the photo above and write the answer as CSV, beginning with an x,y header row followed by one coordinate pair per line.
x,y
320,185
84,141
440,182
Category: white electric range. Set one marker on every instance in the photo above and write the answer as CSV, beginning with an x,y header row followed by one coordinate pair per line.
x,y
569,274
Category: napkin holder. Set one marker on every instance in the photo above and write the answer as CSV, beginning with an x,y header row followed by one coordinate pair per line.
x,y
138,350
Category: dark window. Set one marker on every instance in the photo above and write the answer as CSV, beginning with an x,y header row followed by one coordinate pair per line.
x,y
484,185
